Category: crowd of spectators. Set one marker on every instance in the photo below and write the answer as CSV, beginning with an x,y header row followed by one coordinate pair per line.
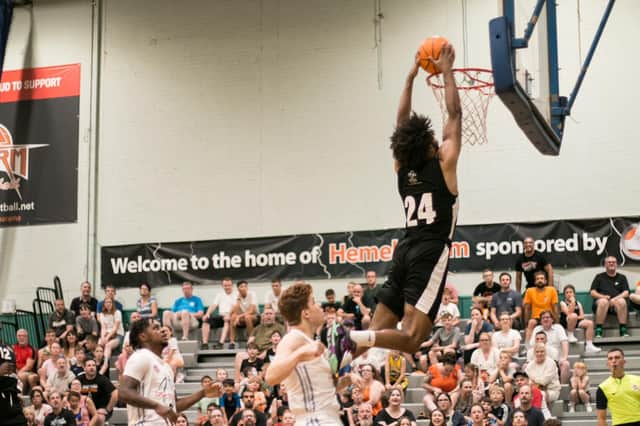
x,y
472,371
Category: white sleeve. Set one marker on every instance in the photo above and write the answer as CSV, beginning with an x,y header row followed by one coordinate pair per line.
x,y
216,300
137,366
252,298
456,311
561,333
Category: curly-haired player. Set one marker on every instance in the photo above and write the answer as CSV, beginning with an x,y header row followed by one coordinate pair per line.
x,y
428,186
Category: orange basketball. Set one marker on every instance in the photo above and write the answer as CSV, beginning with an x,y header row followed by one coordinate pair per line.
x,y
430,48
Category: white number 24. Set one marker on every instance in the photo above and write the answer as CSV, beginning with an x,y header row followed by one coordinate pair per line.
x,y
425,209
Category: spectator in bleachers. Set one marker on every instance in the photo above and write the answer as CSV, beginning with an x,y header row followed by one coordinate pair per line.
x,y
90,345
49,368
215,416
230,401
185,313
610,291
499,409
506,339
487,288
331,335
171,354
203,404
102,362
262,334
477,415
579,388
29,415
572,316
62,320
530,262
100,389
70,345
444,376
444,340
58,415
541,337
25,359
81,408
86,298
356,401
371,289
331,302
78,366
182,420
349,294
244,313
474,328
556,338
506,300
453,293
394,411
447,305
272,297
40,405
45,352
365,414
252,360
537,299
86,323
224,301
111,329
503,376
543,372
465,398
533,415
521,379
437,418
288,419
146,305
355,309
395,371
259,419
61,380
110,293
260,402
121,363
372,389
634,296
486,357
452,417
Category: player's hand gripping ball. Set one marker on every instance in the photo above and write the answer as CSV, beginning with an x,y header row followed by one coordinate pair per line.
x,y
430,48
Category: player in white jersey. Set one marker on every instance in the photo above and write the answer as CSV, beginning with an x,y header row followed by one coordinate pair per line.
x,y
299,363
147,385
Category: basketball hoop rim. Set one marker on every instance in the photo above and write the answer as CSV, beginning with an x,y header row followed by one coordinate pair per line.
x,y
478,83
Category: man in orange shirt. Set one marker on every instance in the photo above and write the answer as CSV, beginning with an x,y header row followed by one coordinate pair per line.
x,y
537,299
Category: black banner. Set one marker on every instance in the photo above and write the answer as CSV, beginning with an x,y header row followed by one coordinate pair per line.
x,y
39,112
565,243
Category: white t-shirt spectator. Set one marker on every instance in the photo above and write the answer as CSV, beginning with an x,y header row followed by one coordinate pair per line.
x,y
272,300
501,340
61,384
156,383
225,302
108,322
555,336
452,308
246,302
490,363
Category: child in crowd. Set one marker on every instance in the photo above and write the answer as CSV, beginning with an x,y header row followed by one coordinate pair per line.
x,y
80,356
447,306
230,400
579,388
86,324
203,404
499,409
503,376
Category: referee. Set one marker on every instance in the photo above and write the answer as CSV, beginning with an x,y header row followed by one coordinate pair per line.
x,y
620,393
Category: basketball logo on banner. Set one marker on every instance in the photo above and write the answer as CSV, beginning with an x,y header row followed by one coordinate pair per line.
x,y
14,161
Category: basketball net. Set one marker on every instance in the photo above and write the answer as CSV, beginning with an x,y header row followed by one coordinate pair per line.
x,y
475,89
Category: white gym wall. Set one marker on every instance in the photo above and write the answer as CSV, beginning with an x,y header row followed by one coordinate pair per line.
x,y
224,119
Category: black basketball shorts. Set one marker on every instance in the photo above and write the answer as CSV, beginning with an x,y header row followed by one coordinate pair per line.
x,y
417,277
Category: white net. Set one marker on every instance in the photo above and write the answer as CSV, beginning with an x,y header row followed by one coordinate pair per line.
x,y
475,88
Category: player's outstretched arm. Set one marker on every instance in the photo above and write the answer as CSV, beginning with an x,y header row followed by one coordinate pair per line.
x,y
452,132
290,352
404,109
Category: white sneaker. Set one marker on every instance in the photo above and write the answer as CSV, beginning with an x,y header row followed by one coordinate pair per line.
x,y
572,409
590,348
572,338
589,408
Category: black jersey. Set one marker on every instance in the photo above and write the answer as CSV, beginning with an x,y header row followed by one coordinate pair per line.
x,y
430,209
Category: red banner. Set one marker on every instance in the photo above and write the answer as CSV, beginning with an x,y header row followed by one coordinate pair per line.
x,y
40,83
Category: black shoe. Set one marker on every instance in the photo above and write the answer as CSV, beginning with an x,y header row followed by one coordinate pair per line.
x,y
232,345
216,345
204,346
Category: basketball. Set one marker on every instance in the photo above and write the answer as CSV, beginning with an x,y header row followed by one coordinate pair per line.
x,y
430,48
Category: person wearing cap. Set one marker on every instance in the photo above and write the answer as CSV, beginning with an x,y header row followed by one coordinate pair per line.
x,y
620,393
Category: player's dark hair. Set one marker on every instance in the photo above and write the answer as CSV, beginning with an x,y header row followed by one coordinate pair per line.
x,y
228,382
239,283
505,273
413,142
616,350
449,359
136,329
147,285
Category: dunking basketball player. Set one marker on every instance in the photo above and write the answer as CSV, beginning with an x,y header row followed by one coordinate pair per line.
x,y
428,185
299,363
